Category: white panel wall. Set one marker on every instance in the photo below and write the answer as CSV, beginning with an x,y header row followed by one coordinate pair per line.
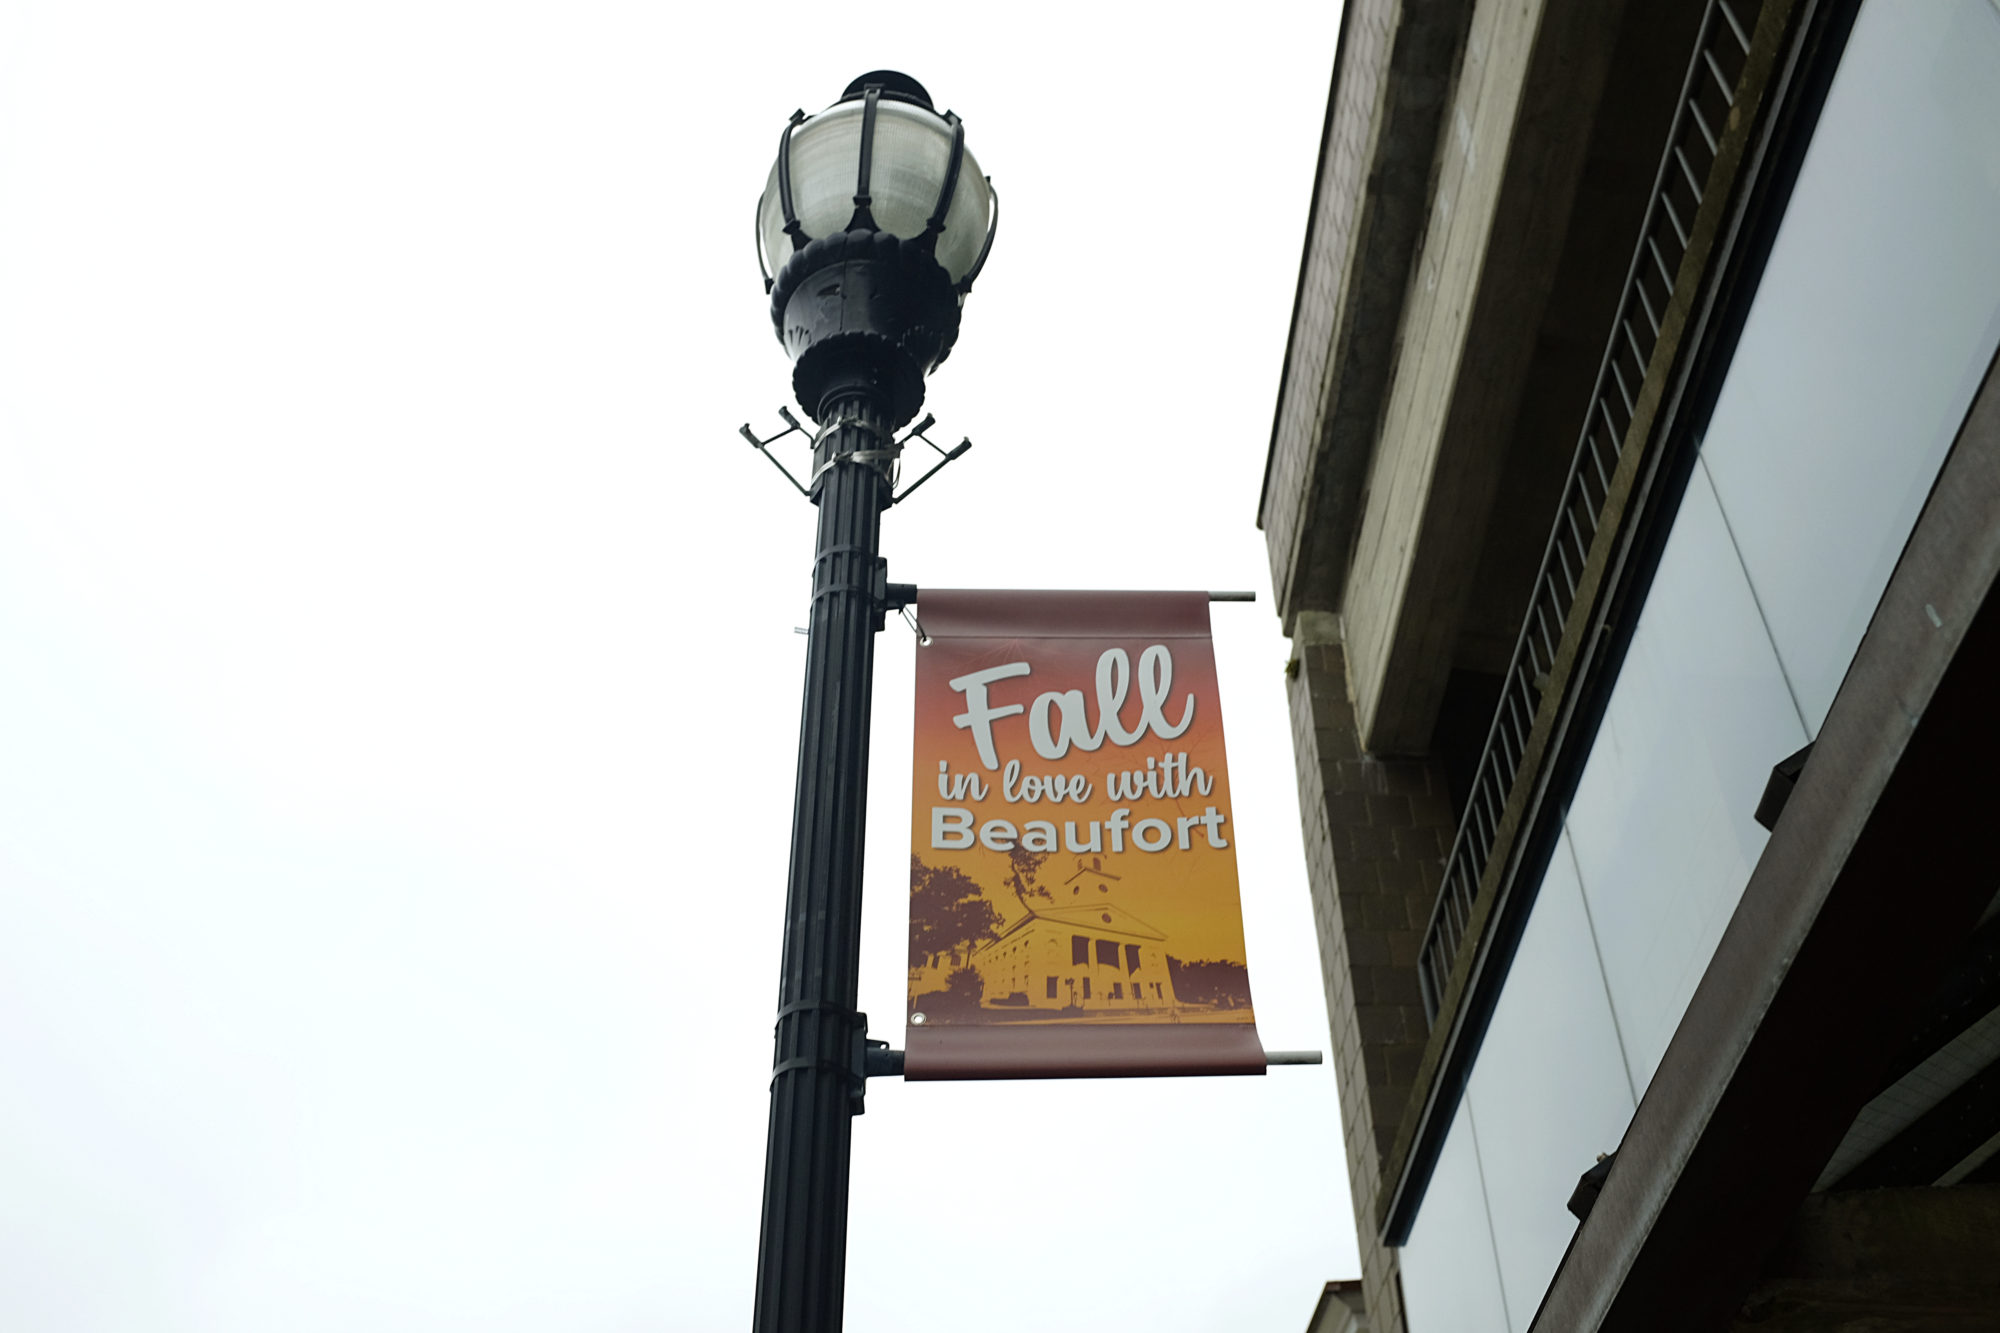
x,y
1451,1283
1550,1090
1874,321
1663,816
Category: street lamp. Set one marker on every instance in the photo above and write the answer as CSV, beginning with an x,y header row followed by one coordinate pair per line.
x,y
870,231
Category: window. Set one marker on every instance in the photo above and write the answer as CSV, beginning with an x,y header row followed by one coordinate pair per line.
x,y
1079,949
1052,988
1086,988
1158,994
1117,990
1107,952
1131,958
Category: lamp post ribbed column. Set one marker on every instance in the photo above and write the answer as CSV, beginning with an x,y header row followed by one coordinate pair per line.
x,y
802,1258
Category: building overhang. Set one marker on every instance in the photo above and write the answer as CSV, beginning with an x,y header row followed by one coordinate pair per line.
x,y
1466,249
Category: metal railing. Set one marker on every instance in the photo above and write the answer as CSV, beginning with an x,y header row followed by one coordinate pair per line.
x,y
1707,96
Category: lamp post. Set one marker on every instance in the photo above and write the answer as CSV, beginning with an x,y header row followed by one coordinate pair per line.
x,y
871,228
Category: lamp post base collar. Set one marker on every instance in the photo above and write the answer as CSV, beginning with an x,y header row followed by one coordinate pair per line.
x,y
864,310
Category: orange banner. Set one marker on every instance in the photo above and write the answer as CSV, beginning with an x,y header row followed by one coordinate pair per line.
x,y
1073,897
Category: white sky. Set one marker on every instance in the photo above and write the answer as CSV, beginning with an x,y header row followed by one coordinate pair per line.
x,y
398,691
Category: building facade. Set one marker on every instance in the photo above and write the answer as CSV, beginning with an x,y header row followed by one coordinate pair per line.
x,y
1072,947
1633,506
1096,956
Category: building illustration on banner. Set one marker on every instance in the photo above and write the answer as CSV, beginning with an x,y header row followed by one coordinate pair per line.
x,y
1081,952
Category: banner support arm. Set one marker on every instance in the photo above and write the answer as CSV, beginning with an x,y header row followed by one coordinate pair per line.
x,y
905,594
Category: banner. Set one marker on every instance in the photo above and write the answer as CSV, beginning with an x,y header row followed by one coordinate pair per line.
x,y
1073,897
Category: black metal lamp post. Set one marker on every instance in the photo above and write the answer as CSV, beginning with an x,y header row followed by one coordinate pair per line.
x,y
876,220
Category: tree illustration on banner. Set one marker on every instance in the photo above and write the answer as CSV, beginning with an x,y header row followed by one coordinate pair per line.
x,y
950,917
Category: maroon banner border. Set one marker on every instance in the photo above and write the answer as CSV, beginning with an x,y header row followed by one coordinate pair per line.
x,y
999,613
1080,1050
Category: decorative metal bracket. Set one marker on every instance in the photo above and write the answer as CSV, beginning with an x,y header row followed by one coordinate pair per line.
x,y
793,426
944,456
763,447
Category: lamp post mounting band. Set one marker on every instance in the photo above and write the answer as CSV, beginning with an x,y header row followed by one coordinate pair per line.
x,y
892,451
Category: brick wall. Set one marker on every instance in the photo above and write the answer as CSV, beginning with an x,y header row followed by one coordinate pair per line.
x,y
1376,833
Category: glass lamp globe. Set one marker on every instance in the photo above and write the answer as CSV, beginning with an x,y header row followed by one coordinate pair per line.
x,y
911,168
881,187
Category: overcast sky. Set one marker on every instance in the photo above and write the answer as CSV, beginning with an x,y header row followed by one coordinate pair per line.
x,y
398,685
